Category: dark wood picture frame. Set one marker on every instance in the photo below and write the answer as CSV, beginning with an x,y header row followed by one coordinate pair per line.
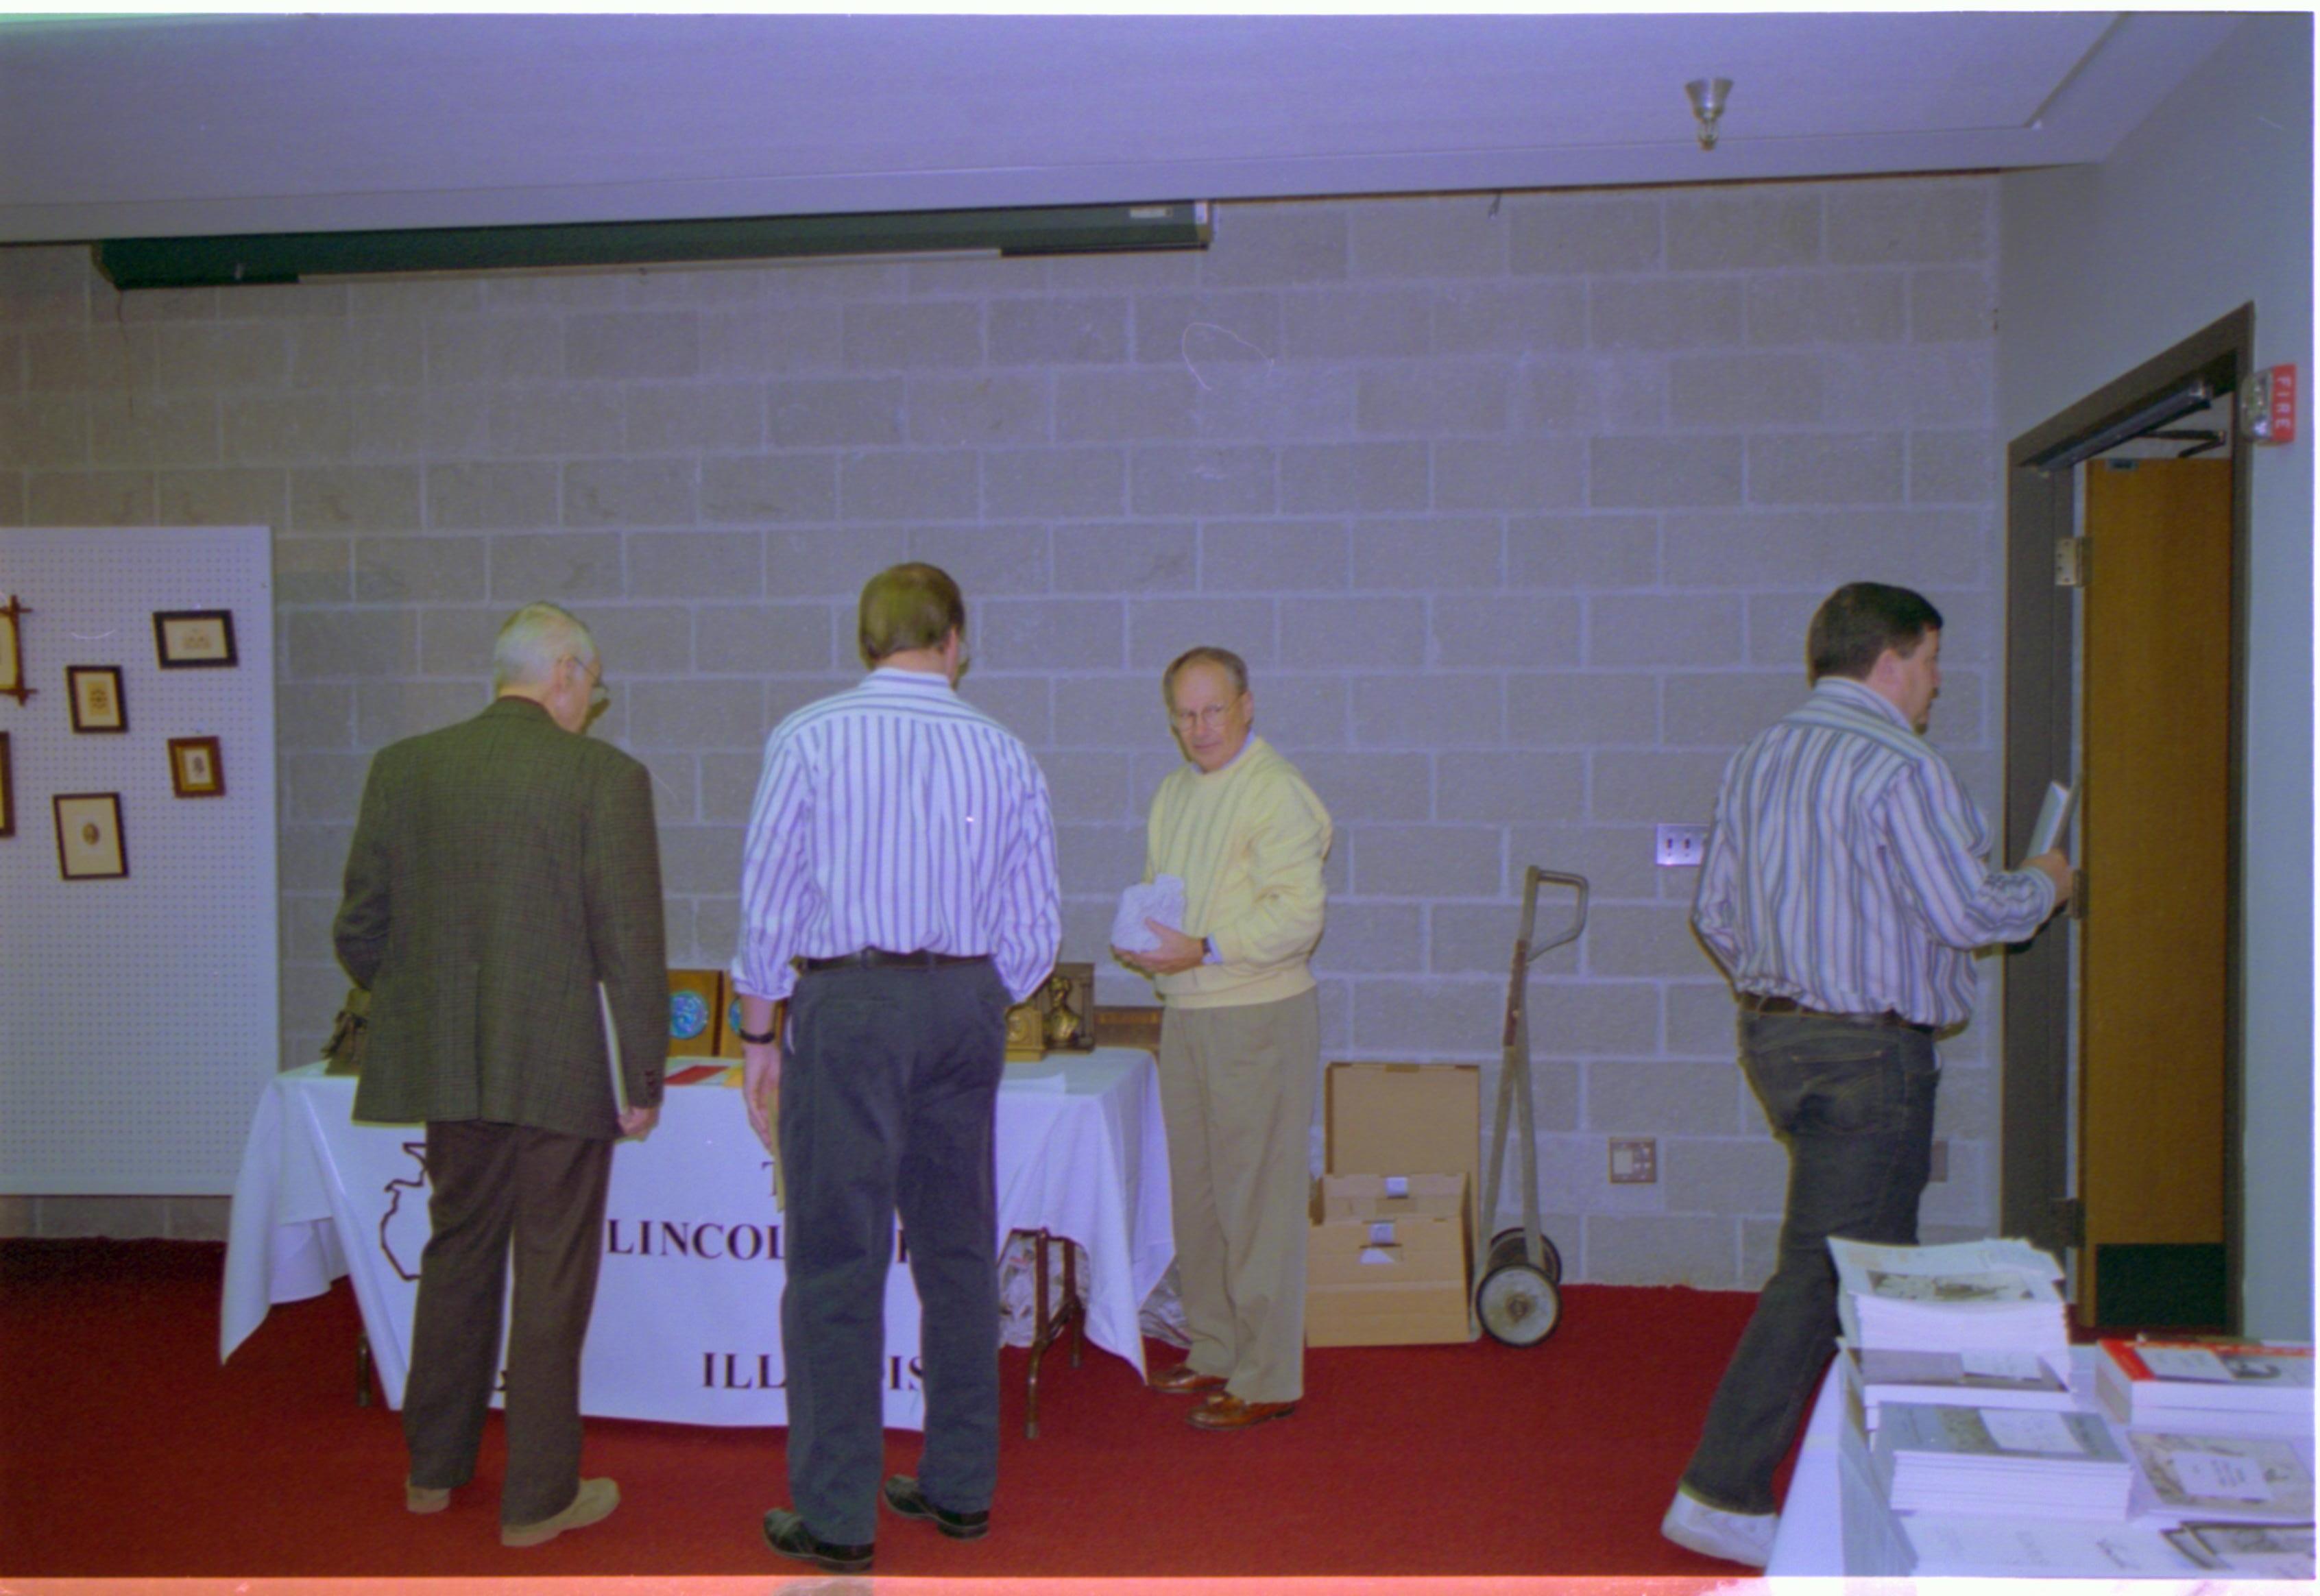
x,y
197,767
12,650
194,639
91,688
81,856
8,789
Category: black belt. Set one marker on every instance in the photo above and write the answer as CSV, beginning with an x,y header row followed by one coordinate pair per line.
x,y
878,959
1756,1002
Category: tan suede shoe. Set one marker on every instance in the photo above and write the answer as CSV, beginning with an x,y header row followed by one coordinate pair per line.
x,y
596,1500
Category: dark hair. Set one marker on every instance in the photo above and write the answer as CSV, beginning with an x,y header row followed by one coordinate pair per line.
x,y
909,606
1224,659
1859,621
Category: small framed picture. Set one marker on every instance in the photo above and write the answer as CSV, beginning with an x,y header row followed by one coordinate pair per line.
x,y
194,639
96,702
89,846
8,789
12,651
195,769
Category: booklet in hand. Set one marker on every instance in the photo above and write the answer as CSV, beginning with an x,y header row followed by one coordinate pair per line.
x,y
2053,820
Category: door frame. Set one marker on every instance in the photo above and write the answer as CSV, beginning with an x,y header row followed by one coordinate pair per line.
x,y
2036,1196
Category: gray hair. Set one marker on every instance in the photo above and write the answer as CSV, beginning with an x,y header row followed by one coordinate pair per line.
x,y
533,640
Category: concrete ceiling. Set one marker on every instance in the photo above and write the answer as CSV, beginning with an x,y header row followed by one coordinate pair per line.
x,y
147,127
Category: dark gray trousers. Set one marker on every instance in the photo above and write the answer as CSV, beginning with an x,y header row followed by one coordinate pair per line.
x,y
1855,1105
490,1184
889,1088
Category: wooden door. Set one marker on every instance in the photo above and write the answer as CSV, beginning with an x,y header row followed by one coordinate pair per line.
x,y
2154,940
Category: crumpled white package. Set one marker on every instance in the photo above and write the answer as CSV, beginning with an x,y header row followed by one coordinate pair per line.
x,y
1161,899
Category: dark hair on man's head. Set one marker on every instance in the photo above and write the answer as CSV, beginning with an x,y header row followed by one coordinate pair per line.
x,y
909,606
1859,621
1224,659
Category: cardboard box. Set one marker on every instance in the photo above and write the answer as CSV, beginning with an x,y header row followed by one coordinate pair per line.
x,y
1388,1261
1408,1119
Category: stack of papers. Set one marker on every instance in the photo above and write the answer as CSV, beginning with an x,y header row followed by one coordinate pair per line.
x,y
1968,1296
2230,1479
2057,1549
1940,1459
2267,1551
2239,1387
1884,1374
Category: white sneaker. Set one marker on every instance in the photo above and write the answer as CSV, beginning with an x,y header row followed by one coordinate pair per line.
x,y
1736,1538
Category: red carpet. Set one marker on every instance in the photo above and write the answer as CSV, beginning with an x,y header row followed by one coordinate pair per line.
x,y
125,1450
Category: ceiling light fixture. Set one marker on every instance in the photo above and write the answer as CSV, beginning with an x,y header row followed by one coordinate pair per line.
x,y
1708,95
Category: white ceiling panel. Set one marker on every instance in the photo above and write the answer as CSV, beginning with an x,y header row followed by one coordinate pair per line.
x,y
138,127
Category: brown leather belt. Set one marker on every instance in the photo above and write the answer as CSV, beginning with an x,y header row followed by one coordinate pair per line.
x,y
1756,1002
878,959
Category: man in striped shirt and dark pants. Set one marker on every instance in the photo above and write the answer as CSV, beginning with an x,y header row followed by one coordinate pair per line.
x,y
900,890
1846,885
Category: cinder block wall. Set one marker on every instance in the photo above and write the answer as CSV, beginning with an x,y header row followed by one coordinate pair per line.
x,y
1516,506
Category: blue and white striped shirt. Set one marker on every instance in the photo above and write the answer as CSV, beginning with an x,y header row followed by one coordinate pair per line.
x,y
895,815
1848,868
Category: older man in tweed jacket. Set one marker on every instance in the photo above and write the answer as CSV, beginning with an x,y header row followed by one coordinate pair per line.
x,y
503,870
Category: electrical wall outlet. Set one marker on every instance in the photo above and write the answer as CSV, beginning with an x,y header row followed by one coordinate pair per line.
x,y
1681,845
1635,1161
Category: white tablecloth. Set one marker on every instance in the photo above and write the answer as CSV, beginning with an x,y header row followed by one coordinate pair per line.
x,y
687,1326
1835,1519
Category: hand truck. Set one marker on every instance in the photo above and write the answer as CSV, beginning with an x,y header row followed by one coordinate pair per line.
x,y
1515,1294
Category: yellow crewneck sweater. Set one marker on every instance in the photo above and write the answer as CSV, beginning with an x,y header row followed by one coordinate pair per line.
x,y
1248,841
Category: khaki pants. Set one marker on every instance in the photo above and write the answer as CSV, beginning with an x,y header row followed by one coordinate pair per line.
x,y
1237,1091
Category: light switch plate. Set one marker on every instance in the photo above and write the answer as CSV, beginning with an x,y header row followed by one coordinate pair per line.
x,y
1680,845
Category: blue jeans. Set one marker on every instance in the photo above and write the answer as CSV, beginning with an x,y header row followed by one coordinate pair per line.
x,y
1855,1105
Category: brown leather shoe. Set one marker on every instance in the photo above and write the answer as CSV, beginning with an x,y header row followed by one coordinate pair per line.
x,y
1229,1412
1184,1380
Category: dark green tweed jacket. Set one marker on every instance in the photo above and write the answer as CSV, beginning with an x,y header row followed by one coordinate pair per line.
x,y
502,868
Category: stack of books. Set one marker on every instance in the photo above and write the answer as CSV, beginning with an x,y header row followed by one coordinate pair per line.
x,y
1968,1296
2223,1479
2232,1388
1937,1459
1887,1375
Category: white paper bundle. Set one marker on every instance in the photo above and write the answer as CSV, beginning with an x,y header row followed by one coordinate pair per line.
x,y
1968,1296
1993,1460
1162,899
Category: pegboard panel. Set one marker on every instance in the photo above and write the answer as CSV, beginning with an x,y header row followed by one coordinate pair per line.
x,y
137,1015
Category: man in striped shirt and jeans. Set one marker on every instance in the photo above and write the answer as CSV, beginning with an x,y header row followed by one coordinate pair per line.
x,y
1846,885
899,888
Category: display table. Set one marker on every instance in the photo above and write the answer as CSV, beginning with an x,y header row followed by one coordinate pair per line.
x,y
687,1323
1836,1521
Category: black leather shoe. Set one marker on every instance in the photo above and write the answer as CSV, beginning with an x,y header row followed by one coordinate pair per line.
x,y
786,1533
903,1495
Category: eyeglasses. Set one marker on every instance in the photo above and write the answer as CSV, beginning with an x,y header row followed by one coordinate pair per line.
x,y
1212,716
599,695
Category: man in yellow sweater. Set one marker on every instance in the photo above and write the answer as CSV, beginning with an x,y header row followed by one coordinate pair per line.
x,y
1239,1041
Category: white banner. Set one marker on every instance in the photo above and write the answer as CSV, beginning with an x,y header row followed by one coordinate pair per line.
x,y
687,1325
